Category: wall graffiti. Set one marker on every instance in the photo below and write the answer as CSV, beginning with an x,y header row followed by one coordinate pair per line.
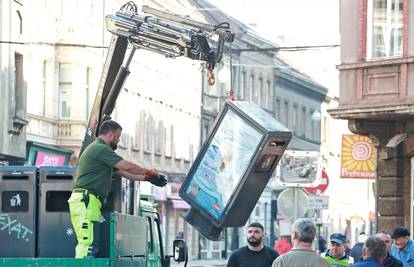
x,y
14,228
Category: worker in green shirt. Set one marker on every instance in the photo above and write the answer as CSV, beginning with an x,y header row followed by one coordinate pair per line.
x,y
336,256
93,184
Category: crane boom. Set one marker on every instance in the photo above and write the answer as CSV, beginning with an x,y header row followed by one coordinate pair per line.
x,y
154,30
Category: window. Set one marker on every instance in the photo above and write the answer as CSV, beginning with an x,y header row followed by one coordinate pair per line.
x,y
65,90
286,111
137,132
304,122
20,18
19,87
260,94
278,110
158,137
241,88
269,92
42,103
251,87
295,119
168,140
148,133
88,101
385,27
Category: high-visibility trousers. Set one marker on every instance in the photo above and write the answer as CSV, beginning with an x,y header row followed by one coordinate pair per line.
x,y
85,214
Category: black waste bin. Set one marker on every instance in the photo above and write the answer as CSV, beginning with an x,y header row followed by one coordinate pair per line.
x,y
56,237
18,211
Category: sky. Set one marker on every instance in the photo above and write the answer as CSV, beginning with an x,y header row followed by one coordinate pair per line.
x,y
295,23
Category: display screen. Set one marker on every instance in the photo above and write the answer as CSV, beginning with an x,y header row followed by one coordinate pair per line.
x,y
223,164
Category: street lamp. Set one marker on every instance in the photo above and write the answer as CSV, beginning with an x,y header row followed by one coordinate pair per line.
x,y
316,116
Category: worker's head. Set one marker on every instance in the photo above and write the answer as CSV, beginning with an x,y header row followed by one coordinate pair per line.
x,y
255,234
386,238
110,132
337,245
401,236
303,230
375,248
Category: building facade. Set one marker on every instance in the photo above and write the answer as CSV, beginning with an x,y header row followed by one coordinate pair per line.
x,y
13,85
376,96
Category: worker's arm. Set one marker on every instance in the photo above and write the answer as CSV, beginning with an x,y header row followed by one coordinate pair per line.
x,y
130,176
125,165
134,172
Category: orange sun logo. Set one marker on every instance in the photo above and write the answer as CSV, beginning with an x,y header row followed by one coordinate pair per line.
x,y
359,157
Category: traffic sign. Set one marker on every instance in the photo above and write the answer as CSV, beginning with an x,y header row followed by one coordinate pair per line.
x,y
292,203
319,189
316,202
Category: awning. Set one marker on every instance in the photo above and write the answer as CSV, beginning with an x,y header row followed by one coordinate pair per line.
x,y
180,204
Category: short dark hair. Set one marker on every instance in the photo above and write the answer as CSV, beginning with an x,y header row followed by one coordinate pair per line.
x,y
399,232
375,248
257,225
109,126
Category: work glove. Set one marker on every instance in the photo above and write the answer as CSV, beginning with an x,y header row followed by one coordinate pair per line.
x,y
158,180
150,172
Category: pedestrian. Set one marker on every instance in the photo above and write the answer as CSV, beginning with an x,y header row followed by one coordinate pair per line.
x,y
282,245
335,255
373,253
303,234
389,261
356,251
93,184
347,246
403,247
180,235
255,254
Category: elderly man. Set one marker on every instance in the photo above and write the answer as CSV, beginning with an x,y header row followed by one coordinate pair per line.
x,y
389,261
373,253
403,247
336,256
303,234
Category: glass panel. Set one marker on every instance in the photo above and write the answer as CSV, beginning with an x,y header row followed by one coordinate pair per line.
x,y
386,28
65,90
223,164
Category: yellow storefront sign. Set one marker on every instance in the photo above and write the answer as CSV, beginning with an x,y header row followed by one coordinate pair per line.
x,y
358,157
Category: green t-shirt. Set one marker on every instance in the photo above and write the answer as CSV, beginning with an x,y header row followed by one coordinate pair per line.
x,y
95,168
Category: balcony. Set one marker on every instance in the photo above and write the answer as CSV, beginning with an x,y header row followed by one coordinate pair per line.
x,y
62,133
376,89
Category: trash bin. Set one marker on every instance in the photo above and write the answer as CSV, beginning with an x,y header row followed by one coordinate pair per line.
x,y
56,237
18,211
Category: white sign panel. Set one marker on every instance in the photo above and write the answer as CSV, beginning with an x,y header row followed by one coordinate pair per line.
x,y
318,202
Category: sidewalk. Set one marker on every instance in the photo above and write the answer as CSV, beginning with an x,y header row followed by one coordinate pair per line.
x,y
200,263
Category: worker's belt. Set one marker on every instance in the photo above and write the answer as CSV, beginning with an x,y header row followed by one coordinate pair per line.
x,y
86,191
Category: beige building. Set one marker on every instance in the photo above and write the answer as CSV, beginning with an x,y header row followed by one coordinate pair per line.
x,y
58,73
376,96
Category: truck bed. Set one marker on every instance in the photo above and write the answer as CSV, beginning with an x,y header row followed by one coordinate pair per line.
x,y
69,262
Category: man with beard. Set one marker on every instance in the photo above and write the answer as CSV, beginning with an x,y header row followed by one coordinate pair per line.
x,y
255,254
93,184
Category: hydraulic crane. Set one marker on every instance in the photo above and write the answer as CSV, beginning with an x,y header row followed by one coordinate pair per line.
x,y
157,31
